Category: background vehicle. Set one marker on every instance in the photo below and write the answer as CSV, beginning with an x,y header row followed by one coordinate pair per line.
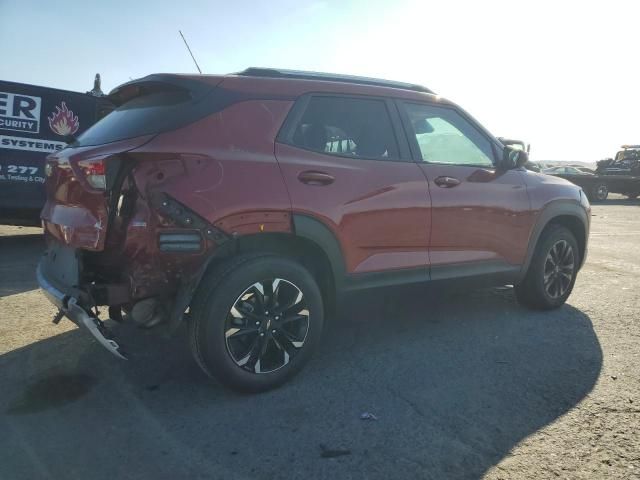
x,y
255,200
569,170
596,187
623,172
36,121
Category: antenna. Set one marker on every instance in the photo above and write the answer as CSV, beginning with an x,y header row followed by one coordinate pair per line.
x,y
190,52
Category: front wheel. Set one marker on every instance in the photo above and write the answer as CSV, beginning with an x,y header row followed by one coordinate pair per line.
x,y
552,272
256,321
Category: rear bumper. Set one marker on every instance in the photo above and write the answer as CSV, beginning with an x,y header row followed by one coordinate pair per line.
x,y
70,308
55,296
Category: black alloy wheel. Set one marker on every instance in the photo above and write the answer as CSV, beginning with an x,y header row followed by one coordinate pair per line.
x,y
559,269
256,321
267,325
552,271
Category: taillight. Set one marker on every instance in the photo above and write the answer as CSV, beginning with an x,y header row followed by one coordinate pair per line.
x,y
94,172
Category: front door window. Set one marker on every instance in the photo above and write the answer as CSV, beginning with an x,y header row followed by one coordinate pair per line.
x,y
445,137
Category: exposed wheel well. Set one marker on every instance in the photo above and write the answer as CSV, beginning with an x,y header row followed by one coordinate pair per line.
x,y
575,226
305,251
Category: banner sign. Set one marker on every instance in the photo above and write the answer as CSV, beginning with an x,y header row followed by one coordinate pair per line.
x,y
35,122
20,113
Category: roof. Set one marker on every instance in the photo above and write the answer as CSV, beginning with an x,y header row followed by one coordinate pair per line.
x,y
329,77
273,83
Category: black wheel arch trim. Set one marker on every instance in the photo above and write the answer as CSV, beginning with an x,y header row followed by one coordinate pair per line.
x,y
554,209
304,226
317,232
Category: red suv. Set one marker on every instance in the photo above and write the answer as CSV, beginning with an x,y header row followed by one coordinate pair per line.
x,y
245,205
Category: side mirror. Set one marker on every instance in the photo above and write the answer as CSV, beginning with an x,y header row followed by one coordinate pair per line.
x,y
513,158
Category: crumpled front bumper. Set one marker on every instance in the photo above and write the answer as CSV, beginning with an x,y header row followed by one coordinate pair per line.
x,y
70,308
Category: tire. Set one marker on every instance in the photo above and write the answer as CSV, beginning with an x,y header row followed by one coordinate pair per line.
x,y
632,196
231,338
600,192
533,291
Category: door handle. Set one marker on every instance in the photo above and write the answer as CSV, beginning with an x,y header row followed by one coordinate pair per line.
x,y
310,177
447,182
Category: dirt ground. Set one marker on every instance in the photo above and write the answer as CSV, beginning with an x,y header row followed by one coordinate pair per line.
x,y
463,385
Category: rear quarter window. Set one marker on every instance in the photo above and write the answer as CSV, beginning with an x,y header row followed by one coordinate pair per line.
x,y
144,115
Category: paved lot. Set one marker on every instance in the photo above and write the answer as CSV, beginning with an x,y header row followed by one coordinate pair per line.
x,y
466,385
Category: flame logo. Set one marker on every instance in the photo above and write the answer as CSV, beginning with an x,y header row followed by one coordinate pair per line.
x,y
63,121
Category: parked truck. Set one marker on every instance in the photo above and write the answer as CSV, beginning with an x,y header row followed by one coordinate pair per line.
x,y
34,122
622,173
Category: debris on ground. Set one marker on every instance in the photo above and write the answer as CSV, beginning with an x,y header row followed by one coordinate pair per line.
x,y
368,416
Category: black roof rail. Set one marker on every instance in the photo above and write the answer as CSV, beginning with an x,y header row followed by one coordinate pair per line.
x,y
329,77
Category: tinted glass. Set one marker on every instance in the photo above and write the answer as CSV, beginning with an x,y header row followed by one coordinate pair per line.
x,y
444,136
144,115
349,127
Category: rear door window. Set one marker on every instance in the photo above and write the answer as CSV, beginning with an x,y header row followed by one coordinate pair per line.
x,y
350,127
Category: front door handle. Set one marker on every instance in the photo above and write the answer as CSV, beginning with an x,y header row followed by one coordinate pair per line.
x,y
311,177
447,182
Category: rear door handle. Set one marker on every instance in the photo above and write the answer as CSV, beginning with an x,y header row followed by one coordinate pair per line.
x,y
311,177
447,182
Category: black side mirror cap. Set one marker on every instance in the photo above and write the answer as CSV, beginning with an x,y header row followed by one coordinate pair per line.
x,y
513,158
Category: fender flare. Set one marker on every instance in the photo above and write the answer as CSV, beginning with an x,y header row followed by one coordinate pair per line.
x,y
553,209
305,226
319,233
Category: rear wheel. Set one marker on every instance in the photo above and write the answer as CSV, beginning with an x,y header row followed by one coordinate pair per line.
x,y
600,192
552,272
256,322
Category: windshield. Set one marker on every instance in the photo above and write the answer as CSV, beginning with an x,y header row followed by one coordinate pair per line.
x,y
628,155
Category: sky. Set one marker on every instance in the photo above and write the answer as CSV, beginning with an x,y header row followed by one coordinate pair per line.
x,y
562,75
